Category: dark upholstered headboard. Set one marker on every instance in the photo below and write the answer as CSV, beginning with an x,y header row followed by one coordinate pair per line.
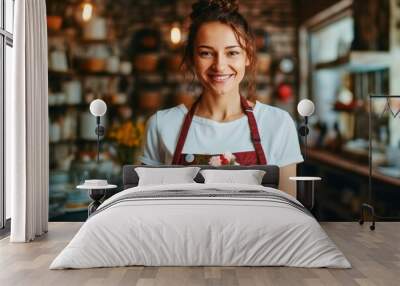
x,y
271,178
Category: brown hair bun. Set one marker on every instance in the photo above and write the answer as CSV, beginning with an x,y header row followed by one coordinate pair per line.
x,y
205,6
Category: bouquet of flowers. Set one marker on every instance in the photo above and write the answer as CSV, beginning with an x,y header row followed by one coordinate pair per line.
x,y
226,158
128,136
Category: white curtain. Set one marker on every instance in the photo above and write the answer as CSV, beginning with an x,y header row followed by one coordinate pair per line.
x,y
27,124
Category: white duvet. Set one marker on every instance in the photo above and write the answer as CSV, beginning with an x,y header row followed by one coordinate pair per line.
x,y
183,231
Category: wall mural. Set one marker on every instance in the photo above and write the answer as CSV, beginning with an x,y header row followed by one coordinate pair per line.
x,y
129,55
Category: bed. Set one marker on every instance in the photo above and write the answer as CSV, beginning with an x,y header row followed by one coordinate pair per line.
x,y
201,224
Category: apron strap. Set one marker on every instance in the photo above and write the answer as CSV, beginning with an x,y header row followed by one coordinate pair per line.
x,y
255,136
176,160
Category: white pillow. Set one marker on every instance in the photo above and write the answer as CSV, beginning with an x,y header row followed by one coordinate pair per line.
x,y
164,176
249,177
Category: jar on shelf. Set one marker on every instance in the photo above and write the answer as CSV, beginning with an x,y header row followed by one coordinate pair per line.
x,y
52,100
60,98
73,92
125,67
146,62
95,29
54,131
263,62
146,40
94,65
95,58
261,38
150,99
58,60
174,62
54,23
69,125
112,64
119,98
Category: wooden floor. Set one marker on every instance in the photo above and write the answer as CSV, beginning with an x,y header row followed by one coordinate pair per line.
x,y
375,257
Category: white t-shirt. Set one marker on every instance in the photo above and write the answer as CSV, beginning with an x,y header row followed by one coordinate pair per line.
x,y
277,131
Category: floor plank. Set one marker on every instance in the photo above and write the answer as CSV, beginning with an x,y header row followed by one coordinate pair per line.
x,y
375,257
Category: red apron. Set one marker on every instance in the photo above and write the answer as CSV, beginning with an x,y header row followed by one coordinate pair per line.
x,y
256,157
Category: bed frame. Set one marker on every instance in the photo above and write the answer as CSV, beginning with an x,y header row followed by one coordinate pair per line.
x,y
271,178
130,179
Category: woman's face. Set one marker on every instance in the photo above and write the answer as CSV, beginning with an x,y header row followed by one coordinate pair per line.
x,y
219,60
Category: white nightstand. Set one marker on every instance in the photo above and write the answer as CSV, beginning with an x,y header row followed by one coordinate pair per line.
x,y
96,193
306,190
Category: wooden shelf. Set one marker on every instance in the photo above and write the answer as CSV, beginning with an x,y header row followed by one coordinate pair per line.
x,y
332,64
353,167
79,141
348,110
97,41
152,77
59,106
69,73
358,61
351,108
72,141
102,73
82,73
60,34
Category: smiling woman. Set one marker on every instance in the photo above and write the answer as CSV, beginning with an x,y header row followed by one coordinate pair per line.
x,y
220,52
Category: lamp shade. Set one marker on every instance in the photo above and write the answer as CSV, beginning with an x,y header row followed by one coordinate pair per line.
x,y
305,107
98,107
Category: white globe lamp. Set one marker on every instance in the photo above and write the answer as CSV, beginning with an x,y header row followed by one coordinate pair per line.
x,y
98,108
305,108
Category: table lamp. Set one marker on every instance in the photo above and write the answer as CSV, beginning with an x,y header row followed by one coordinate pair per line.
x,y
305,108
98,108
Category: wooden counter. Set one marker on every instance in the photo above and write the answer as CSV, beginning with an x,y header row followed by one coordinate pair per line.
x,y
351,166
